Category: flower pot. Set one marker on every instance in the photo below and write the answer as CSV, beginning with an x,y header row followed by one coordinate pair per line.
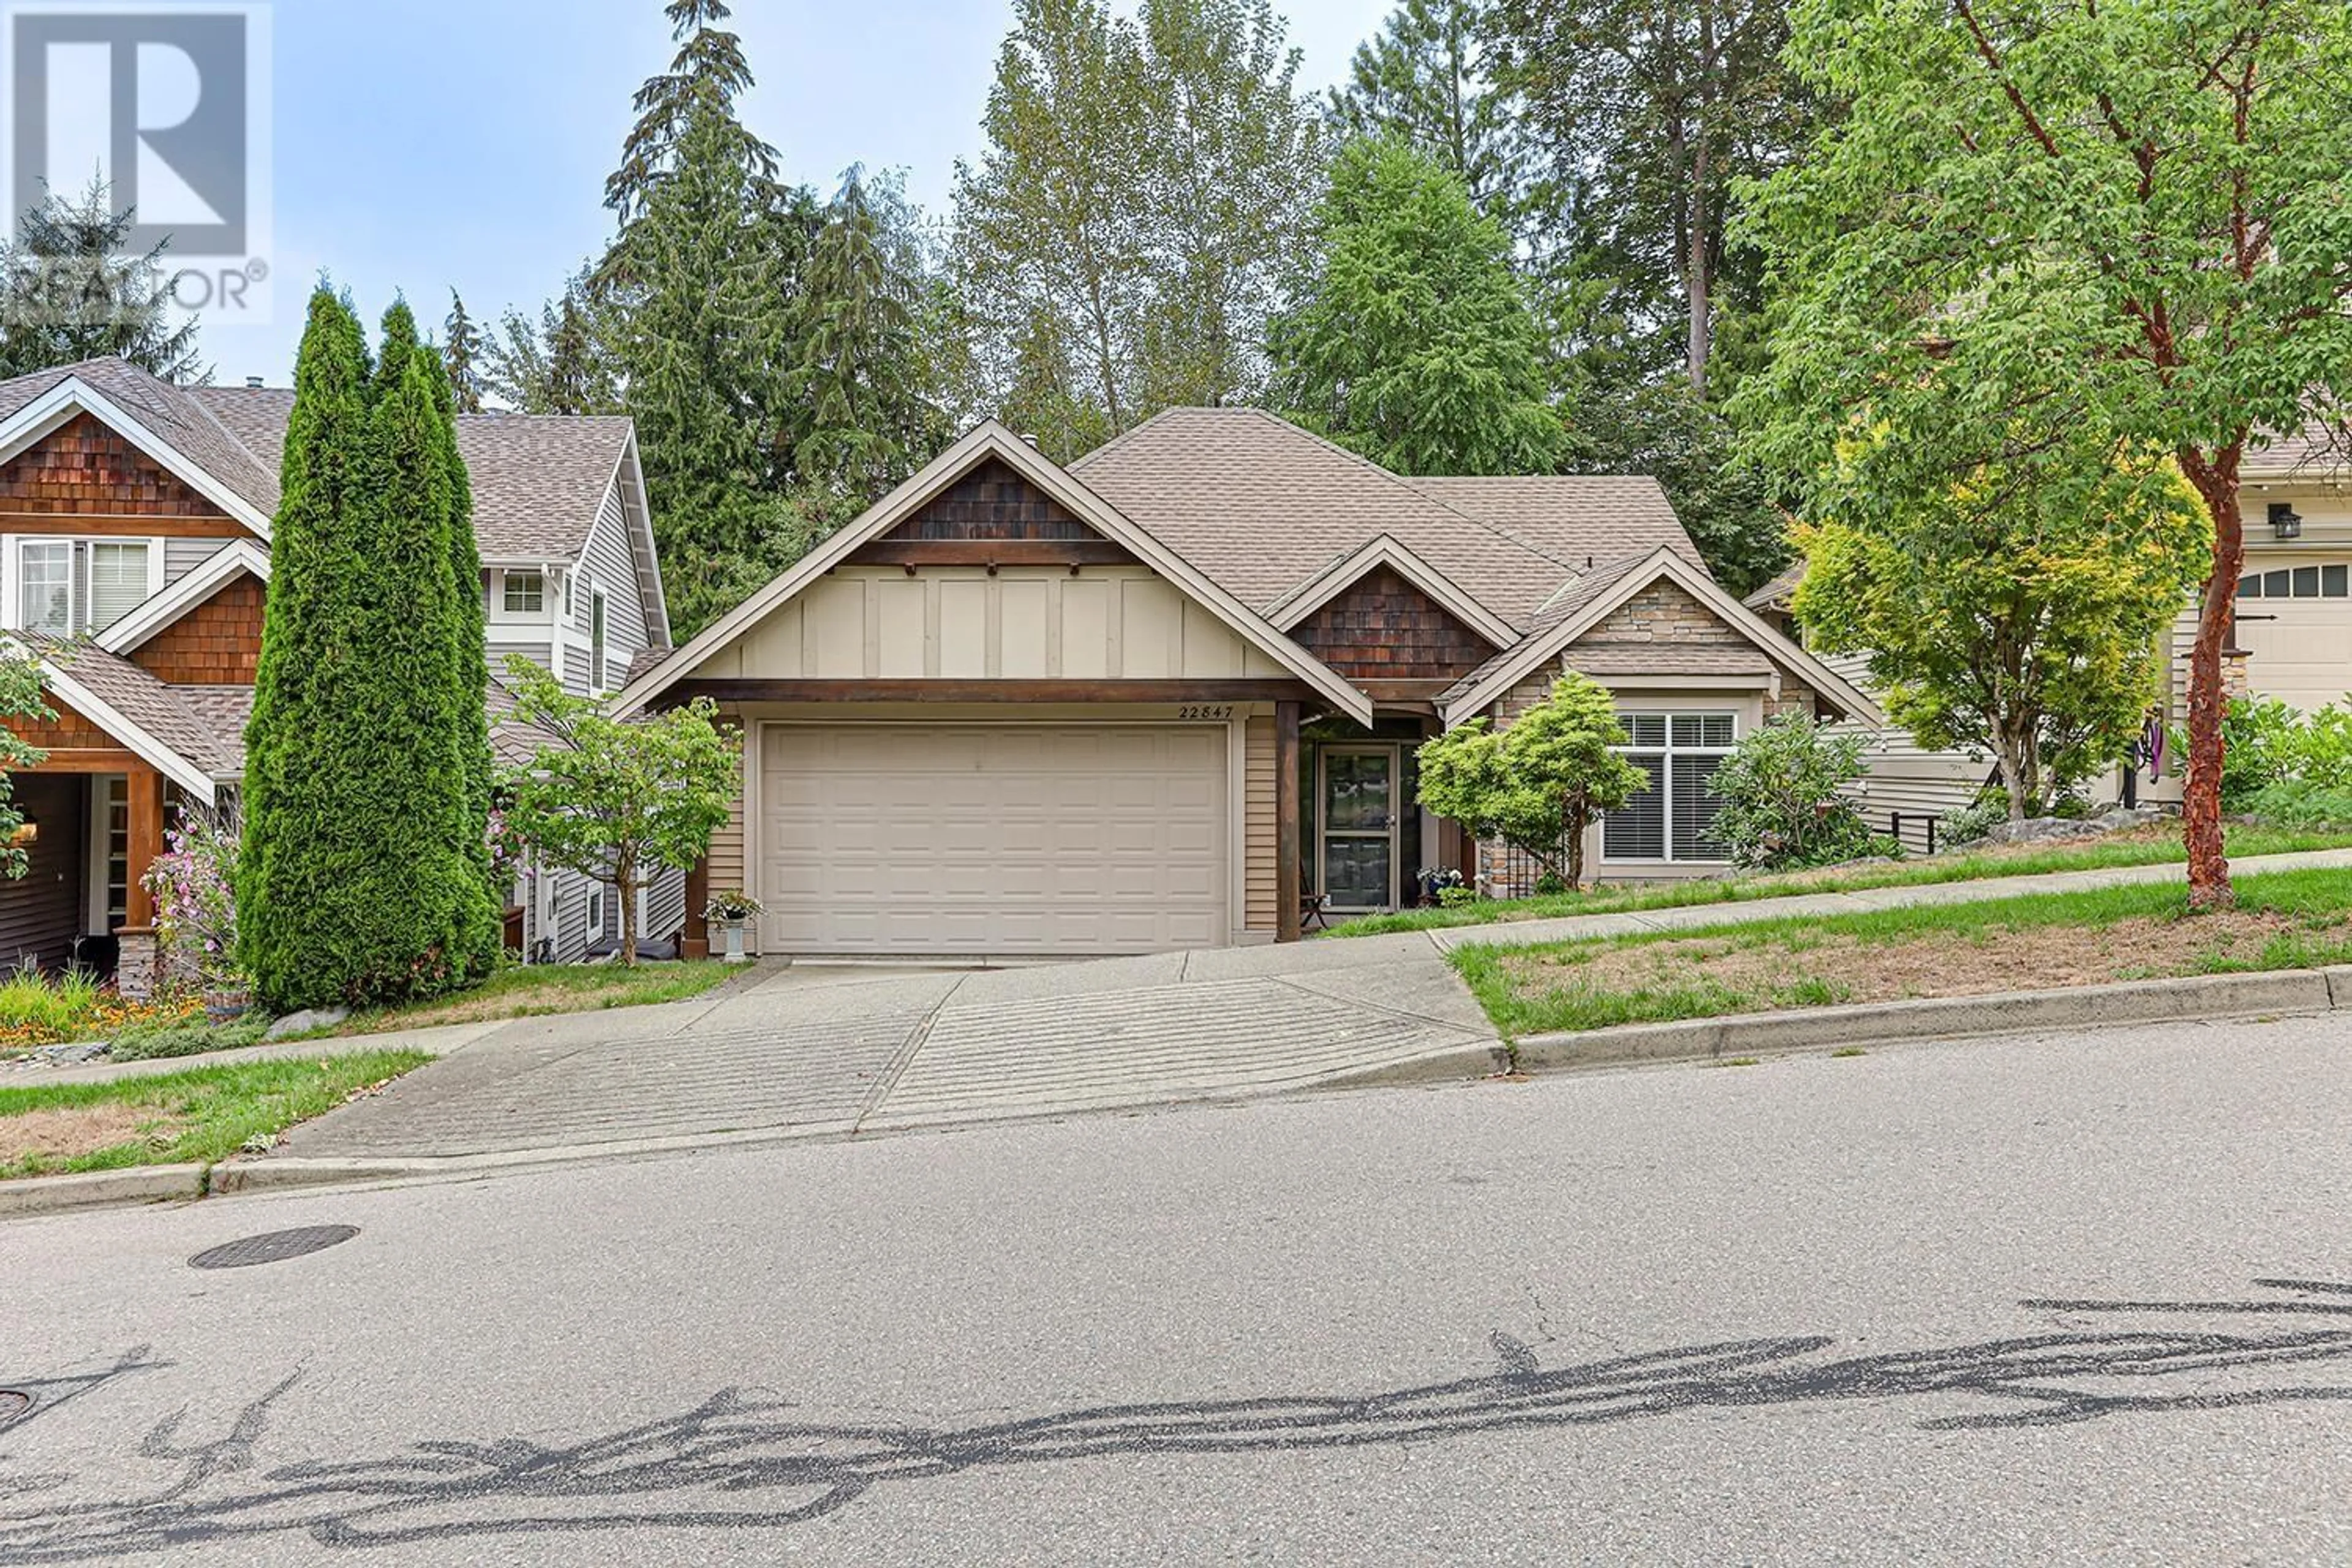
x,y
732,937
222,1006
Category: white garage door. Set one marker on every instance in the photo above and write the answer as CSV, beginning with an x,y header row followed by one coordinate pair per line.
x,y
992,838
2295,624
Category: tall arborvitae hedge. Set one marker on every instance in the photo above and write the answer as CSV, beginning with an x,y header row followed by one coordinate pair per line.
x,y
362,876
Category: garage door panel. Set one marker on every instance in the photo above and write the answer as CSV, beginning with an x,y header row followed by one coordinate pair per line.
x,y
995,838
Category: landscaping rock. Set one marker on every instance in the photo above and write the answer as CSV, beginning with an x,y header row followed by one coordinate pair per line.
x,y
306,1019
2059,829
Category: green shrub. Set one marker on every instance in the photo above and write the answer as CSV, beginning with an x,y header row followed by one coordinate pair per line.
x,y
1968,824
1783,803
363,875
2267,743
2302,803
187,1038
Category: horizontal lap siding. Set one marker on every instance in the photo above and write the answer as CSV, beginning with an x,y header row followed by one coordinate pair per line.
x,y
41,913
1261,838
181,556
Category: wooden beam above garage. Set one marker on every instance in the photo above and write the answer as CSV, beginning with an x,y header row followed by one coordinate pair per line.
x,y
1178,691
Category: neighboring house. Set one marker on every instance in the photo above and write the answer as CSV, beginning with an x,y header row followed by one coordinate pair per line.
x,y
134,560
2291,639
1161,698
1909,789
2293,630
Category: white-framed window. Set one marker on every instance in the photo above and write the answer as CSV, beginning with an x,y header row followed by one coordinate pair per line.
x,y
1673,819
595,911
2297,582
45,570
525,592
596,672
65,587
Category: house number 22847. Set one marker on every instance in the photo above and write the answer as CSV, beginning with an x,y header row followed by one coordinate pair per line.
x,y
1210,715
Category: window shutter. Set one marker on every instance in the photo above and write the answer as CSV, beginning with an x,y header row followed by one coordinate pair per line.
x,y
1637,830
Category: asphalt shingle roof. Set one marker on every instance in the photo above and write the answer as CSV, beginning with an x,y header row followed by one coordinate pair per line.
x,y
537,479
1263,507
194,721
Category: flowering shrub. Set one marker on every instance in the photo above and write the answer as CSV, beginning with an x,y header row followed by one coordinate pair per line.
x,y
506,849
193,882
40,1010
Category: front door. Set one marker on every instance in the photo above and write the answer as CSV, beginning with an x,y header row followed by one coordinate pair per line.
x,y
1360,826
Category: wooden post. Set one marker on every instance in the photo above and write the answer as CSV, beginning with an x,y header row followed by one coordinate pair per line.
x,y
1287,826
695,943
145,844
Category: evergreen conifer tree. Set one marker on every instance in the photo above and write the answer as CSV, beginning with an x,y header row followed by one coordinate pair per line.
x,y
361,880
464,356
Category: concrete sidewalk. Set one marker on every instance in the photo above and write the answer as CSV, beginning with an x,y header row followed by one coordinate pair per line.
x,y
838,1050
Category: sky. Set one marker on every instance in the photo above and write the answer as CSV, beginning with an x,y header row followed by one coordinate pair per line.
x,y
425,145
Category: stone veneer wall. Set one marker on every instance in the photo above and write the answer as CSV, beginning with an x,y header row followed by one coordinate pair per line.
x,y
1663,612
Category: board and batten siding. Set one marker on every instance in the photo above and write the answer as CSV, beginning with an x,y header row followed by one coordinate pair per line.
x,y
1261,833
961,623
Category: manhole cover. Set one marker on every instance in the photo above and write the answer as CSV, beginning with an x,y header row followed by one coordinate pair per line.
x,y
12,1404
275,1247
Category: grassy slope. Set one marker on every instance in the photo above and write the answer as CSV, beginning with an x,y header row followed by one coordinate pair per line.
x,y
2129,849
1521,1005
530,991
207,1113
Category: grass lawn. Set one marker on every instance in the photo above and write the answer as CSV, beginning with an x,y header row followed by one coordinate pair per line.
x,y
184,1118
2157,845
528,991
2287,919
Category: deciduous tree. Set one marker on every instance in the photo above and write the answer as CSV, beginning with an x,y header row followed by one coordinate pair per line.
x,y
2020,611
619,800
1538,784
1118,244
2130,215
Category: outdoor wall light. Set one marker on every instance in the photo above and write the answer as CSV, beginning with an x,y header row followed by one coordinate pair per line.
x,y
2285,521
28,834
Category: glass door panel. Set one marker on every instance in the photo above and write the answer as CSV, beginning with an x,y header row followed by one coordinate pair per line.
x,y
1359,819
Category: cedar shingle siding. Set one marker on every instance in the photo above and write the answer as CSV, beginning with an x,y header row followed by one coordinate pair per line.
x,y
85,468
991,502
1383,629
219,643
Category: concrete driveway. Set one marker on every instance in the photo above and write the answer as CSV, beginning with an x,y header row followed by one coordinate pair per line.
x,y
845,1048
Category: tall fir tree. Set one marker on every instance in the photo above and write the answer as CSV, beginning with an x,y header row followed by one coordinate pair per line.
x,y
1423,79
710,62
562,364
463,354
864,377
361,878
1407,337
70,291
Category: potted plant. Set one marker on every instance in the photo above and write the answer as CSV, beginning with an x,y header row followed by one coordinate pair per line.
x,y
724,914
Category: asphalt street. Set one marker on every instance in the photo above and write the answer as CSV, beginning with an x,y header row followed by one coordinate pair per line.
x,y
2044,1301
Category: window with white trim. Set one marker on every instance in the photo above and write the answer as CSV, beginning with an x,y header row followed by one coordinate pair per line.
x,y
596,672
1673,819
525,592
65,587
596,910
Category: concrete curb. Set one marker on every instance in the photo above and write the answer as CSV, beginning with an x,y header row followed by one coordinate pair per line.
x,y
139,1185
2199,997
